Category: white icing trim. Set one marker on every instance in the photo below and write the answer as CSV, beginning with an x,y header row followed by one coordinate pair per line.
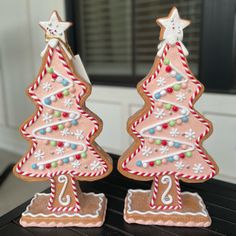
x,y
62,201
101,199
130,211
166,180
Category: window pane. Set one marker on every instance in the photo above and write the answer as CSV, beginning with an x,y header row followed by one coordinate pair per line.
x,y
147,31
106,31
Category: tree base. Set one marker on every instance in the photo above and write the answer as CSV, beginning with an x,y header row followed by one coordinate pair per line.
x,y
192,214
92,213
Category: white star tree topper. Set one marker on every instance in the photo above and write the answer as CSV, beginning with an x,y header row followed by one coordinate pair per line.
x,y
55,28
172,30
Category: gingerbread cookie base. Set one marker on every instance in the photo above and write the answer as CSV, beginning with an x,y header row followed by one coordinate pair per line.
x,y
92,213
192,214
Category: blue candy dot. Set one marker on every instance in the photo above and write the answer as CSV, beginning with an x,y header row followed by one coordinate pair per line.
x,y
47,101
170,159
138,163
184,119
157,95
74,122
42,131
178,77
64,82
177,145
73,146
34,166
151,131
66,160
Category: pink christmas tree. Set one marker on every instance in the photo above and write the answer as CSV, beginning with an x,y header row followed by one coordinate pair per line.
x,y
168,131
62,132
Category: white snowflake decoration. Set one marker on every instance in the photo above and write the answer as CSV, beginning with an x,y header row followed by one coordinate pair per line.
x,y
68,102
60,150
95,165
146,151
164,149
174,132
180,97
160,113
79,134
179,165
65,132
39,155
75,164
198,168
161,81
47,118
47,86
190,134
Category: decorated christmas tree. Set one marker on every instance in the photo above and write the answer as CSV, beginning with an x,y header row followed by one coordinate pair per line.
x,y
61,135
168,134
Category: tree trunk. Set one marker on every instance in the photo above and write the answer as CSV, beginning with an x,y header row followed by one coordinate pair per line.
x,y
65,194
165,193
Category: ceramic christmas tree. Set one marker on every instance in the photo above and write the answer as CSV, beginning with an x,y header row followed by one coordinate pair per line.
x,y
168,134
61,134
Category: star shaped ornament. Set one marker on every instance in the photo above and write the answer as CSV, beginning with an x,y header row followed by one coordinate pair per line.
x,y
55,28
172,27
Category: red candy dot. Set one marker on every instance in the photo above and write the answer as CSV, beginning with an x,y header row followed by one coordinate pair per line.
x,y
55,127
165,126
181,155
77,156
48,166
54,76
151,163
168,69
65,114
60,95
169,90
60,144
175,108
164,142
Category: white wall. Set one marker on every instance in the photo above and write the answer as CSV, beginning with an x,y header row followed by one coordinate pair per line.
x,y
21,41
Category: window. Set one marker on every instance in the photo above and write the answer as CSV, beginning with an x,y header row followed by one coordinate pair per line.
x,y
118,40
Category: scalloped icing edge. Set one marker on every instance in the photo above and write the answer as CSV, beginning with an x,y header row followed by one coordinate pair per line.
x,y
130,219
43,223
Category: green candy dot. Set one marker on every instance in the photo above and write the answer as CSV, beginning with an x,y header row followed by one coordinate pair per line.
x,y
83,154
66,92
54,164
188,154
53,143
158,141
61,127
158,162
57,113
166,61
172,123
176,87
50,70
168,106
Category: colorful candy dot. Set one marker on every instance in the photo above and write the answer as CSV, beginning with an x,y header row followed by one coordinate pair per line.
x,y
163,92
166,61
50,111
77,156
177,145
178,77
57,113
53,98
164,161
67,124
177,87
159,104
164,142
64,82
60,144
157,95
159,128
42,131
60,162
150,140
72,89
151,163
53,143
41,167
179,121
55,127
151,131
34,166
83,154
48,166
170,143
165,126
176,157
46,142
66,92
168,106
54,164
48,129
172,123
61,126
47,101
71,158
158,162
184,85
168,69
65,114
73,146
157,141
170,159
139,163
188,154
175,108
60,95
173,73
169,90
66,145
181,155
50,70
54,76
72,115
74,122
66,160
184,119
